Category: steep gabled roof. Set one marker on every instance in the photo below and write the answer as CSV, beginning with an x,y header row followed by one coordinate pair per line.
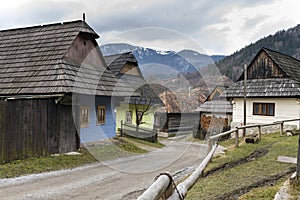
x,y
145,94
287,84
289,65
117,62
32,62
216,92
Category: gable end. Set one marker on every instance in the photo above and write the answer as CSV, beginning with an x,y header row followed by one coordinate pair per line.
x,y
263,67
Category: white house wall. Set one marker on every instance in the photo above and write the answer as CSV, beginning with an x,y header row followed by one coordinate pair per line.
x,y
285,108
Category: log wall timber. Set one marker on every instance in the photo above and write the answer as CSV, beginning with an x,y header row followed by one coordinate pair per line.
x,y
35,127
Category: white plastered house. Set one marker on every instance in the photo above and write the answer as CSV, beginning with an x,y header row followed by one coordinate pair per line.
x,y
272,92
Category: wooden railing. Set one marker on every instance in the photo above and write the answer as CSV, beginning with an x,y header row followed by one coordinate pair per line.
x,y
138,132
215,138
161,186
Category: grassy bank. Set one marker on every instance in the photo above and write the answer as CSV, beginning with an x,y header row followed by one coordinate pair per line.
x,y
257,177
116,148
44,164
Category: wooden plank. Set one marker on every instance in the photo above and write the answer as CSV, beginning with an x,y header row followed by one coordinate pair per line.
x,y
286,159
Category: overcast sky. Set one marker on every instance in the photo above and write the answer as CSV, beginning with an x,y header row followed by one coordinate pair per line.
x,y
210,26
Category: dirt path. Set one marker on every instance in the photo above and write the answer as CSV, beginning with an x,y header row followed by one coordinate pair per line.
x,y
119,179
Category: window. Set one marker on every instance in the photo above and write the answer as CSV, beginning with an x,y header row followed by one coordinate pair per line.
x,y
267,109
84,116
157,120
100,115
128,119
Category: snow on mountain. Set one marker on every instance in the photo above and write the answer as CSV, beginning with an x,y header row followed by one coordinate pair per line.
x,y
185,61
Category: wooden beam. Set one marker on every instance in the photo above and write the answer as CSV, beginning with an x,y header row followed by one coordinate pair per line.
x,y
157,189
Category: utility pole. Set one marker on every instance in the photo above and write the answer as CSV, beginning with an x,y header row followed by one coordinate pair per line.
x,y
298,160
298,157
245,93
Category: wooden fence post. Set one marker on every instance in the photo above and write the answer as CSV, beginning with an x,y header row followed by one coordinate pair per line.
x,y
121,128
237,137
281,129
259,132
209,145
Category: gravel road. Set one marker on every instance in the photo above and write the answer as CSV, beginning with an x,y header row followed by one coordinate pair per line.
x,y
124,178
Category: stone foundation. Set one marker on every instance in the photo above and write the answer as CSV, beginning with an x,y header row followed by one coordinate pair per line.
x,y
264,129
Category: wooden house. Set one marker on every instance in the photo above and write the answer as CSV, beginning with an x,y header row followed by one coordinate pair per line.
x,y
179,113
215,113
272,92
55,90
144,102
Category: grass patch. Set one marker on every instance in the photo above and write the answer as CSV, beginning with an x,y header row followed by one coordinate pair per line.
x,y
118,148
294,191
44,164
266,193
144,142
241,177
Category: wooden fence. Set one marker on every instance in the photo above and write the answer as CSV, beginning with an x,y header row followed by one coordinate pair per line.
x,y
161,186
215,138
138,132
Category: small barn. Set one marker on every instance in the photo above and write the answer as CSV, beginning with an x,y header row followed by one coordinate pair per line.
x,y
54,87
215,113
178,115
272,92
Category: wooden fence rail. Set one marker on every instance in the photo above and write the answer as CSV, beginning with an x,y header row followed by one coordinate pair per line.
x,y
162,183
139,132
214,138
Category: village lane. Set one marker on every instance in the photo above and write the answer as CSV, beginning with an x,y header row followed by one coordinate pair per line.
x,y
124,178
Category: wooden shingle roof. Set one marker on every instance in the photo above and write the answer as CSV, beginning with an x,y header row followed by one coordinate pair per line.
x,y
216,106
116,62
32,62
283,81
144,94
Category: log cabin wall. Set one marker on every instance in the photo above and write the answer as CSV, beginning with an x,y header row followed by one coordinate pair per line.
x,y
84,50
130,69
35,127
264,67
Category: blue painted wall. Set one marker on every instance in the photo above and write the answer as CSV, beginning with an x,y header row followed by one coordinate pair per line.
x,y
94,132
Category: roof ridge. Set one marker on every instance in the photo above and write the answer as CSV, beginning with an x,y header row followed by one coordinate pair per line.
x,y
119,54
273,51
41,25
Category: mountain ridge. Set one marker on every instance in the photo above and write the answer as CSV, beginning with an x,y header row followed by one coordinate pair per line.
x,y
183,61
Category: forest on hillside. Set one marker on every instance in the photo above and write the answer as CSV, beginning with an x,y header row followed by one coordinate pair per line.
x,y
284,41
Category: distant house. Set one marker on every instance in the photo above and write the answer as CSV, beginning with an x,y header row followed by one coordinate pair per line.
x,y
55,90
144,102
179,113
273,90
215,113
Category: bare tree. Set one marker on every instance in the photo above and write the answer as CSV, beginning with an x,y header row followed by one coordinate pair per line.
x,y
147,98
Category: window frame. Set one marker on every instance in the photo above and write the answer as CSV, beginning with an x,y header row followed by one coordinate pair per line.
x,y
126,119
263,106
84,120
101,120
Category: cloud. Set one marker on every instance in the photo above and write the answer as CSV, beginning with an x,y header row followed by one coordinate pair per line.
x,y
219,26
35,12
